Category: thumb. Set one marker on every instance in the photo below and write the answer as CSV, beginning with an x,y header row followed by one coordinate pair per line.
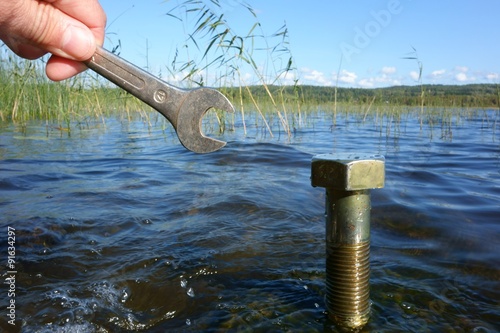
x,y
77,42
45,27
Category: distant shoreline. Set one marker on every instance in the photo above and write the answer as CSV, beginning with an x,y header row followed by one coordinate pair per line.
x,y
434,95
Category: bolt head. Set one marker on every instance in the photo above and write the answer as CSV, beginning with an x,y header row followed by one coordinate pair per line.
x,y
348,172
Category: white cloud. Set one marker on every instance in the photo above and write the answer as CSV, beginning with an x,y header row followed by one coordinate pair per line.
x,y
178,78
246,78
312,76
366,83
438,73
461,77
347,77
388,76
492,76
388,70
414,75
288,78
378,81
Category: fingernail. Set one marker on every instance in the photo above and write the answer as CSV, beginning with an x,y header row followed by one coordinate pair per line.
x,y
78,43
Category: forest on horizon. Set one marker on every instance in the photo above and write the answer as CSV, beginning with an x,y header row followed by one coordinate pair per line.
x,y
470,95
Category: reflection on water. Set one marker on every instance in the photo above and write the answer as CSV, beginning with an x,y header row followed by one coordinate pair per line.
x,y
120,229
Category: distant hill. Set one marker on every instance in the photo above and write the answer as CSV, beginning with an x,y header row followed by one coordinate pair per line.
x,y
471,95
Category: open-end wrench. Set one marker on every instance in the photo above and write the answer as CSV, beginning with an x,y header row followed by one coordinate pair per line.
x,y
184,108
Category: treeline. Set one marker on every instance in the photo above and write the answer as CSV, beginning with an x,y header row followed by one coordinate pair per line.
x,y
472,95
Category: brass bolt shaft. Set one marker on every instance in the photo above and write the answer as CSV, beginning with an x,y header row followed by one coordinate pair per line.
x,y
347,179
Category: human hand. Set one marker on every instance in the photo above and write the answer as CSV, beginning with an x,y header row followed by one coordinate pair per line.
x,y
69,29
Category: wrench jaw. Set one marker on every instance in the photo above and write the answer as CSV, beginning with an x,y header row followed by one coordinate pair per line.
x,y
190,116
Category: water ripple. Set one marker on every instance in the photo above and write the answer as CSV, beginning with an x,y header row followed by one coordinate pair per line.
x,y
124,230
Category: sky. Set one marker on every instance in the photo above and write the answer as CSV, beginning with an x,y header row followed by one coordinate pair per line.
x,y
361,44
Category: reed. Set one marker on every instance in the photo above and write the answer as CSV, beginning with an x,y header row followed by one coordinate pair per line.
x,y
414,56
232,55
26,94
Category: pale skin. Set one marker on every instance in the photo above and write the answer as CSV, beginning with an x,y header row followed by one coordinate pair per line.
x,y
69,30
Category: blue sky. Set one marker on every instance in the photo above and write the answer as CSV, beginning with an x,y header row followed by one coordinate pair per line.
x,y
349,43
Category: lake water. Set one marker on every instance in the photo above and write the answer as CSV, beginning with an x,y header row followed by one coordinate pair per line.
x,y
118,228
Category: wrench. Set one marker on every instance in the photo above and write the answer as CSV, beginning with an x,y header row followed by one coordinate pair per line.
x,y
184,108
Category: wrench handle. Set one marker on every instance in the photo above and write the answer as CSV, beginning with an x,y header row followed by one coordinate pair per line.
x,y
161,96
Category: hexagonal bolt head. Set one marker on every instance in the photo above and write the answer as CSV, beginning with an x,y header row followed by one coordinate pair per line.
x,y
348,172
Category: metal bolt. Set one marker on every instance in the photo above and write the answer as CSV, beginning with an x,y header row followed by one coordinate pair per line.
x,y
348,179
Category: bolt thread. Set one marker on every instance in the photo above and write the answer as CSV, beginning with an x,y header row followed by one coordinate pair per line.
x,y
348,283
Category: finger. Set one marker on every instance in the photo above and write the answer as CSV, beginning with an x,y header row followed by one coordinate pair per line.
x,y
59,68
24,50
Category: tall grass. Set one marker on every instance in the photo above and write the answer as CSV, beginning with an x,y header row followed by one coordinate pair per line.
x,y
26,94
414,56
227,55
